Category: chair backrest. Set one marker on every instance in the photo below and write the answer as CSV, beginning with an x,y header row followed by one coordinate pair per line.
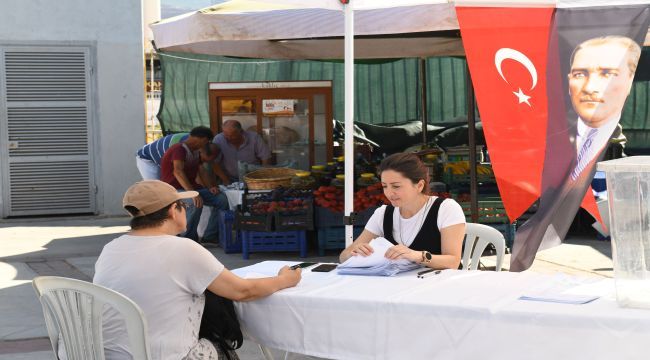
x,y
73,310
477,238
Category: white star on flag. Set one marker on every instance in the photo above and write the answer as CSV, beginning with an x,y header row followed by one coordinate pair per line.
x,y
523,98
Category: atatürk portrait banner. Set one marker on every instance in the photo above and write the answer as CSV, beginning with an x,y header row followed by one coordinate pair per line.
x,y
551,85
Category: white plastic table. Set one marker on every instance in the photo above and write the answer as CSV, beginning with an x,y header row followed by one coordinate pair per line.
x,y
453,315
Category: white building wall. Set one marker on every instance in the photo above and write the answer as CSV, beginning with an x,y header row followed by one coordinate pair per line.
x,y
114,30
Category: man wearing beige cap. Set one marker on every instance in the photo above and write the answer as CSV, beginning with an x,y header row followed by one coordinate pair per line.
x,y
167,276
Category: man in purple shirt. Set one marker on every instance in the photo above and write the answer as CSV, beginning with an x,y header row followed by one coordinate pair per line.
x,y
239,145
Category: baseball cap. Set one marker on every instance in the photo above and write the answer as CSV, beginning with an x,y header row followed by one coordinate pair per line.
x,y
149,196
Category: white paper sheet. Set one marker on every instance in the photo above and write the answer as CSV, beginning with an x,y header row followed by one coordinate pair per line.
x,y
560,298
380,245
376,264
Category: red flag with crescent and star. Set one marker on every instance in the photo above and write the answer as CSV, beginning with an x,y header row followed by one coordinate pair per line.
x,y
506,51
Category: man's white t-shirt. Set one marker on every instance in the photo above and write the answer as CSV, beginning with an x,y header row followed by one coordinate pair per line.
x,y
450,213
166,276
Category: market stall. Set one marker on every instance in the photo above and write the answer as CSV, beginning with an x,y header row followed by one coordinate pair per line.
x,y
317,21
279,29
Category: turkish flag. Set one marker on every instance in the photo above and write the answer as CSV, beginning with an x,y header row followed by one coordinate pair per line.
x,y
506,51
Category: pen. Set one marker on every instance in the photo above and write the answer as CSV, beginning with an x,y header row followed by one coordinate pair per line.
x,y
424,272
429,273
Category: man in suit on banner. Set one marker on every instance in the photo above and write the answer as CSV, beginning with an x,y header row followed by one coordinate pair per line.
x,y
602,70
599,81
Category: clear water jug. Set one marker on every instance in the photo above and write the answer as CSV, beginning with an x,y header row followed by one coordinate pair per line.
x,y
628,187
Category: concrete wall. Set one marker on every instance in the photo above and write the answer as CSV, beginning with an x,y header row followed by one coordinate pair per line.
x,y
114,30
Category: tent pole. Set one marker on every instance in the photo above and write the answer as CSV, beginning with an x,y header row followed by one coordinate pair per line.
x,y
349,120
471,133
151,92
423,99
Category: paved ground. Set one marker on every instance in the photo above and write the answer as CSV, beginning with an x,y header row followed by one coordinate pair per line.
x,y
70,246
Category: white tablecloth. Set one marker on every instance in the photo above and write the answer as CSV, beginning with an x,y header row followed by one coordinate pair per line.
x,y
453,315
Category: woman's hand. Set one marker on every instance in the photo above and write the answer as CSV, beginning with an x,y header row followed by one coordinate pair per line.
x,y
363,249
403,252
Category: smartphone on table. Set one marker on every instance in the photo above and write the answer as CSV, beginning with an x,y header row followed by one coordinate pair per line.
x,y
324,268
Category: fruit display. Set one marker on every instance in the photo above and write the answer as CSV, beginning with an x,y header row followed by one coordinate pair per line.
x,y
329,197
369,196
293,206
303,181
332,198
462,168
283,200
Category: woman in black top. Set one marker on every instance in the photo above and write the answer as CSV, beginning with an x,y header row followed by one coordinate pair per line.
x,y
424,229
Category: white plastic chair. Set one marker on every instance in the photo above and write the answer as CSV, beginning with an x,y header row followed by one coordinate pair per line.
x,y
477,238
73,310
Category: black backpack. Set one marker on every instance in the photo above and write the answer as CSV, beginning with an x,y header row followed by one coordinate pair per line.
x,y
219,323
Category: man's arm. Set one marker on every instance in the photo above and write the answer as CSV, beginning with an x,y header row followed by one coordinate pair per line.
x,y
181,177
216,168
204,177
235,288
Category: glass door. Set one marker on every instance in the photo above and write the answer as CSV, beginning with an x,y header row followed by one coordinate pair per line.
x,y
286,129
294,117
242,109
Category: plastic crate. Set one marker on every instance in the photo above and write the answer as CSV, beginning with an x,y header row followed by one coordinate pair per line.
x,y
256,241
461,153
325,218
334,238
303,220
489,212
246,221
250,199
229,237
456,179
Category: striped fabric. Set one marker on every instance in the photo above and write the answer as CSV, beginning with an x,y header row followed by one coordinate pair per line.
x,y
584,154
156,149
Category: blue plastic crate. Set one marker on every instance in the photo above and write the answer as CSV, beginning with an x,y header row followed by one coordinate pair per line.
x,y
326,218
334,238
229,237
265,241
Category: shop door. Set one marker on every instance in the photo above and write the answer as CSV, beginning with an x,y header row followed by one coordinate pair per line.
x,y
45,131
293,118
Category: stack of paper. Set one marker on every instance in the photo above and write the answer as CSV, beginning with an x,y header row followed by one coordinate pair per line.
x,y
376,264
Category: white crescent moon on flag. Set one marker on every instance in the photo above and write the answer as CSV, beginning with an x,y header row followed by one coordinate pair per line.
x,y
506,53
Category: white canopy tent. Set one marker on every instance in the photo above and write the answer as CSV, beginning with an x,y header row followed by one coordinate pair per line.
x,y
315,29
289,29
293,29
